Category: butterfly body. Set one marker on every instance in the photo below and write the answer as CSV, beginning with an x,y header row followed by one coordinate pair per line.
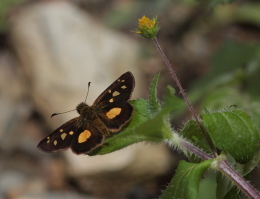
x,y
89,114
109,113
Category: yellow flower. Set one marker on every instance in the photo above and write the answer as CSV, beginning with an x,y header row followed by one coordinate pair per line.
x,y
145,21
148,28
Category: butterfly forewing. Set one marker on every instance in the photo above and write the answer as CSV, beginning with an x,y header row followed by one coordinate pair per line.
x,y
112,105
119,91
117,115
87,140
62,137
72,134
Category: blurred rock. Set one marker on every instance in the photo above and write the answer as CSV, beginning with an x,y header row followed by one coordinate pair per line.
x,y
61,49
14,184
148,162
15,107
143,159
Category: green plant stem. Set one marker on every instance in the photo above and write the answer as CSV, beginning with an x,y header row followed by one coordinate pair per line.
x,y
184,95
246,187
196,150
223,165
225,168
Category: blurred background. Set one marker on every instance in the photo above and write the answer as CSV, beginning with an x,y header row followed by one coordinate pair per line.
x,y
51,49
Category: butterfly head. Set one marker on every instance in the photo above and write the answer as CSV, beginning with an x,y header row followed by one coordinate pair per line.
x,y
81,107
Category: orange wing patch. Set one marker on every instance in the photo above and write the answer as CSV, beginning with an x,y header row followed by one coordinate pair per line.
x,y
63,136
83,137
116,93
113,113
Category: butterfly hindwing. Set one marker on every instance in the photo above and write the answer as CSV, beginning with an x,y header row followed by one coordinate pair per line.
x,y
87,140
72,134
117,115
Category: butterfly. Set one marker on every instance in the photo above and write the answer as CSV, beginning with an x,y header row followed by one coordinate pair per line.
x,y
109,113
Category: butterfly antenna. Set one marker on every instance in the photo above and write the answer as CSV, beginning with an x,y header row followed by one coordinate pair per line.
x,y
54,114
87,91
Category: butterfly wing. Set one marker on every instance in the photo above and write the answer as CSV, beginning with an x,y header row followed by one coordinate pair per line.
x,y
116,115
88,140
72,134
112,105
119,90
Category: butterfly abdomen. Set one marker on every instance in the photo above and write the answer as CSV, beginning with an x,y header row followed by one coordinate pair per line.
x,y
89,117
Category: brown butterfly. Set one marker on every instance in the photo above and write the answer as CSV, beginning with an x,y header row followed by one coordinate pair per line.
x,y
109,113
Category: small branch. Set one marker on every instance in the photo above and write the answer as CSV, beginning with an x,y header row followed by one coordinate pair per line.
x,y
246,187
225,168
184,95
197,151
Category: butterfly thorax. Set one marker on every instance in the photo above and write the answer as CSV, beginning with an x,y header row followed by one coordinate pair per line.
x,y
86,112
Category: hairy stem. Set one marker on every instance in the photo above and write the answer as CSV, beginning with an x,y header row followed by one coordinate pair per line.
x,y
223,165
196,150
246,187
176,79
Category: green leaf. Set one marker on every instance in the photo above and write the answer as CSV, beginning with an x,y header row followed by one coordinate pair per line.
x,y
222,97
172,101
252,164
234,193
233,132
186,181
208,185
233,65
192,132
226,189
127,136
153,100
